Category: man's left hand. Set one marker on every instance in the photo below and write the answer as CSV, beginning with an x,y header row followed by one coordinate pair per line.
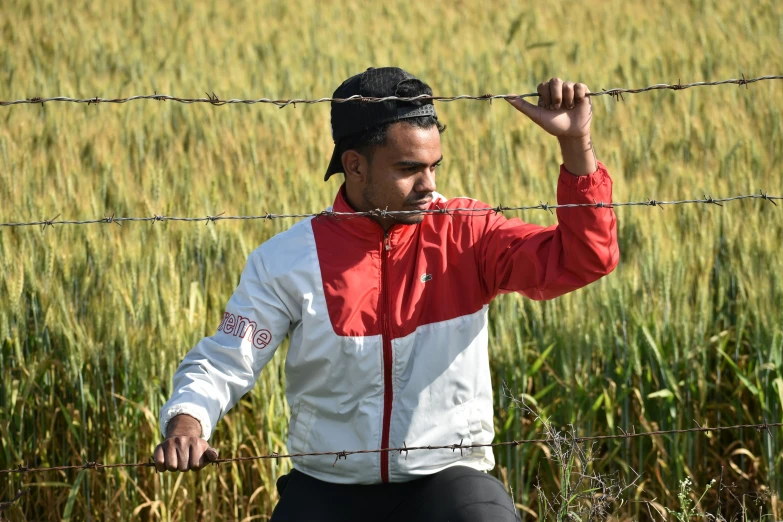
x,y
563,109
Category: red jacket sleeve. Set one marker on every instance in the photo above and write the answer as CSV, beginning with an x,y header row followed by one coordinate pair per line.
x,y
546,262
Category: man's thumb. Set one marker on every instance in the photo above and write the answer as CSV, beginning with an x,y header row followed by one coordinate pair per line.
x,y
525,107
211,455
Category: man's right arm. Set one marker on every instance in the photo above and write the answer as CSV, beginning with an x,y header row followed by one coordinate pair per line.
x,y
221,368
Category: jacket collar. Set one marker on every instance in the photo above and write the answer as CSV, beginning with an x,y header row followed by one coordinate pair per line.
x,y
367,229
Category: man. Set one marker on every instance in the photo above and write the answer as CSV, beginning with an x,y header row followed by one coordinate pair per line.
x,y
387,316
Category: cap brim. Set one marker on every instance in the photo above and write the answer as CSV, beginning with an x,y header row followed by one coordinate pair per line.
x,y
336,163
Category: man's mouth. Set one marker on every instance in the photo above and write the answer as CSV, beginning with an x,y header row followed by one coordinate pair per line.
x,y
422,203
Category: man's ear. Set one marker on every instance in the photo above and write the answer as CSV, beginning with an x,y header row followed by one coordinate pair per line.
x,y
355,166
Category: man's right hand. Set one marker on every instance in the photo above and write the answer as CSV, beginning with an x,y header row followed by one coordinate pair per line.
x,y
183,449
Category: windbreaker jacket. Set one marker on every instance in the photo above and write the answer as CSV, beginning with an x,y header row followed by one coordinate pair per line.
x,y
388,331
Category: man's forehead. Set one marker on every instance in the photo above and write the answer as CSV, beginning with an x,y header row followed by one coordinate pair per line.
x,y
417,142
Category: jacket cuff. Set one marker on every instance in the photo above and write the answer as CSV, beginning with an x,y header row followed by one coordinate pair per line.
x,y
586,182
197,412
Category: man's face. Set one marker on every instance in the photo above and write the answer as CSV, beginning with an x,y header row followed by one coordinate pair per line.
x,y
401,174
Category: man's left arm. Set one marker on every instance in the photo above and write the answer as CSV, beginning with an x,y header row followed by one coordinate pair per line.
x,y
545,262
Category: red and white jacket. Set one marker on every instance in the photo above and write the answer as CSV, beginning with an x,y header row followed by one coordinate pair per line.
x,y
388,332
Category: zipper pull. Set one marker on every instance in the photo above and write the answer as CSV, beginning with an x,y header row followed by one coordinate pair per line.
x,y
386,242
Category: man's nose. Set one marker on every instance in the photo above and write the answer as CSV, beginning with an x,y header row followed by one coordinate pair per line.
x,y
427,181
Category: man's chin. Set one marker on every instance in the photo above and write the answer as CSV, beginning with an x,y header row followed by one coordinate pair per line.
x,y
412,219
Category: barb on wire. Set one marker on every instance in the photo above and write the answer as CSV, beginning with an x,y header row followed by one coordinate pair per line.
x,y
7,504
436,210
344,454
213,99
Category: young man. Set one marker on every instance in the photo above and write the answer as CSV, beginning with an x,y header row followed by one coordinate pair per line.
x,y
387,316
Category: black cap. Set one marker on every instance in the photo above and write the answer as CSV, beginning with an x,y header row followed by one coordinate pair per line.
x,y
353,117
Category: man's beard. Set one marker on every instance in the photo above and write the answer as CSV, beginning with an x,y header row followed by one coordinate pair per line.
x,y
372,200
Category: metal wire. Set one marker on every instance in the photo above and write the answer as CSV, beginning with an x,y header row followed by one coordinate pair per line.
x,y
7,504
338,455
468,212
213,99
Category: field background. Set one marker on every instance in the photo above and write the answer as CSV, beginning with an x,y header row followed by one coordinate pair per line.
x,y
94,319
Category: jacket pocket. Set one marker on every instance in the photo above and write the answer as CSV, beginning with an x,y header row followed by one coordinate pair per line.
x,y
479,432
299,427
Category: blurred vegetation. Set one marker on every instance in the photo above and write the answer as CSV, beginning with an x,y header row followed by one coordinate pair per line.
x,y
94,319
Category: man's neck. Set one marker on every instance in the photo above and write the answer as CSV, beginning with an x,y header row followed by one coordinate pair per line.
x,y
354,200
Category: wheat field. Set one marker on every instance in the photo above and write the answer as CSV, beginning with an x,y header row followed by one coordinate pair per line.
x,y
94,319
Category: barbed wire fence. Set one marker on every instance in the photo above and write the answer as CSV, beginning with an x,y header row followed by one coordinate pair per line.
x,y
764,427
466,212
214,99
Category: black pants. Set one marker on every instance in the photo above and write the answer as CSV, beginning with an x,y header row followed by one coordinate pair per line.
x,y
456,494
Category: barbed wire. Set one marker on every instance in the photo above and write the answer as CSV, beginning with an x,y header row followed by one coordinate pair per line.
x,y
7,504
468,212
214,99
461,447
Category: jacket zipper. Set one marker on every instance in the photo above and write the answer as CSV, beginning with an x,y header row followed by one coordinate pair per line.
x,y
388,391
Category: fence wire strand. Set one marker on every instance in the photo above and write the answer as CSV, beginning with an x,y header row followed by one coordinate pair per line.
x,y
467,212
214,99
7,504
461,447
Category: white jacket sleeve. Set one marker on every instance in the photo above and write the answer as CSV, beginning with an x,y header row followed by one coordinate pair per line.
x,y
220,369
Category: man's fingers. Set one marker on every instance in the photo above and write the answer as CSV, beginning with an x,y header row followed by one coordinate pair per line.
x,y
544,99
159,459
568,95
196,459
555,93
183,458
183,453
211,454
580,91
526,108
170,456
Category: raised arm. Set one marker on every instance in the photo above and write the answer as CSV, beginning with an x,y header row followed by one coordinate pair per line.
x,y
540,262
220,369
